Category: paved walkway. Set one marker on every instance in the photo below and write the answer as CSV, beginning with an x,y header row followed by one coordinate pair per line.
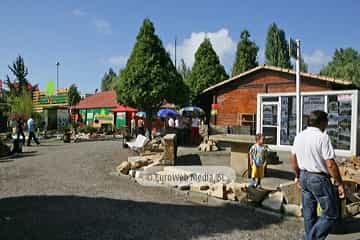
x,y
66,191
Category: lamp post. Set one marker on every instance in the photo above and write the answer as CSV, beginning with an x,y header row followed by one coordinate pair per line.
x,y
57,75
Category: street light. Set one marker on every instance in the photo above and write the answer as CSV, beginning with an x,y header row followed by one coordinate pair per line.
x,y
57,75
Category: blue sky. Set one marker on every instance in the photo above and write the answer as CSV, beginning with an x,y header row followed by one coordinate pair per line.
x,y
89,37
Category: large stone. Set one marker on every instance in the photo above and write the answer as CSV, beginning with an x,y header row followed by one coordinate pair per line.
x,y
292,193
274,201
218,190
257,195
353,209
237,191
293,210
123,167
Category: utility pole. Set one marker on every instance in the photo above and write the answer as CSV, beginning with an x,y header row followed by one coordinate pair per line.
x,y
57,76
298,88
175,54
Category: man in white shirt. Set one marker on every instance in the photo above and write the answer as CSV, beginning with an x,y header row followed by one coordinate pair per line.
x,y
171,122
313,161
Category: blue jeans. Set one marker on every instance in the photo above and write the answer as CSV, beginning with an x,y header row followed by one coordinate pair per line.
x,y
317,188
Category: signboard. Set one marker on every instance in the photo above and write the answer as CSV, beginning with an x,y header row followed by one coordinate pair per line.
x,y
62,118
120,119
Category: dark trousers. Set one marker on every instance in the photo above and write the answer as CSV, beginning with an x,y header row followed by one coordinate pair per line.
x,y
318,189
32,135
18,133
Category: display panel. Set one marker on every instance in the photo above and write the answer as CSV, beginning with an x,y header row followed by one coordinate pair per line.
x,y
311,103
288,120
270,124
270,115
339,116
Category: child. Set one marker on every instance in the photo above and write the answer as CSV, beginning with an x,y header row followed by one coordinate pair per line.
x,y
257,160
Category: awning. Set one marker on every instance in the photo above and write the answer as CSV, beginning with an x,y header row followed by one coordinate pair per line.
x,y
123,108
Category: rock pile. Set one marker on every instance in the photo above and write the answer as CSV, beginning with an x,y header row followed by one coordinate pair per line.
x,y
208,145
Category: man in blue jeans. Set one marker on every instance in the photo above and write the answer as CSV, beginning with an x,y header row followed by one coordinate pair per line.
x,y
313,161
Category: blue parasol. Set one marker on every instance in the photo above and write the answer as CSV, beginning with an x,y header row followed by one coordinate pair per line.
x,y
167,112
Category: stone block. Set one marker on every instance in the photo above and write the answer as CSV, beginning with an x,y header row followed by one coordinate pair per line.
x,y
170,153
257,195
353,209
292,193
293,210
123,167
218,190
237,191
274,201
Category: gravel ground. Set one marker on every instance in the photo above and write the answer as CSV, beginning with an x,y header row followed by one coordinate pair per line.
x,y
67,191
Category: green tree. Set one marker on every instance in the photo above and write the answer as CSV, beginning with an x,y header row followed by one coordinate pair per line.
x,y
206,70
246,54
303,65
183,69
21,85
345,64
149,77
277,48
21,106
73,95
109,80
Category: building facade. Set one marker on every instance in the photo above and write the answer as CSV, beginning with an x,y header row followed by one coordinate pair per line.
x,y
236,98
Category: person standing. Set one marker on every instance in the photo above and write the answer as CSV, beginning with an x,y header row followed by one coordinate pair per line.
x,y
31,129
179,130
20,130
141,127
171,122
195,122
313,161
132,126
257,156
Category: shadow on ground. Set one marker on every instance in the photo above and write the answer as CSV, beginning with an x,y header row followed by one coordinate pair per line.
x,y
71,217
188,159
25,154
347,226
276,173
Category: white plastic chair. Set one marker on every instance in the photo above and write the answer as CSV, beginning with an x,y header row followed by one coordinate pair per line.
x,y
138,144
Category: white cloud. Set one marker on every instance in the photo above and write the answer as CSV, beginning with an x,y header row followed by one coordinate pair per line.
x,y
118,60
103,26
316,59
78,13
222,43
